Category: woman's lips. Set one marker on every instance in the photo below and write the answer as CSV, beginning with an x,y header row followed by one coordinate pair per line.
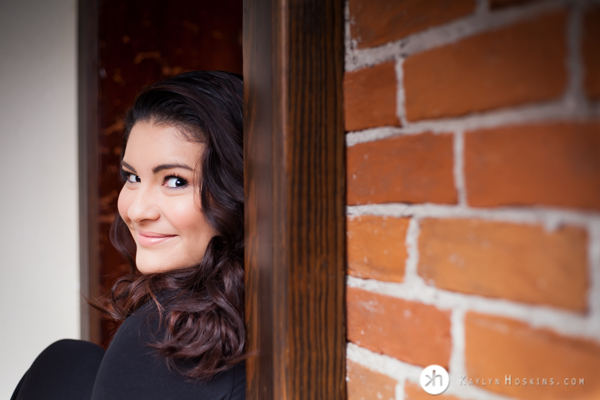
x,y
147,239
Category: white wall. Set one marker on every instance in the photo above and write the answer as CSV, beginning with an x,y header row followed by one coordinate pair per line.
x,y
39,273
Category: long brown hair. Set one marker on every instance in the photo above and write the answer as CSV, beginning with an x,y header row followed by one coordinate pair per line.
x,y
202,306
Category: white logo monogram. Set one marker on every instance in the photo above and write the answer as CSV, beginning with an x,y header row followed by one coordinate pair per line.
x,y
434,379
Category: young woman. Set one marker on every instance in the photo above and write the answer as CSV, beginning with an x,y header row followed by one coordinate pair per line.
x,y
180,224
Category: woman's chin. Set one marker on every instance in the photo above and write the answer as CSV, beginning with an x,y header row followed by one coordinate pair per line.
x,y
151,265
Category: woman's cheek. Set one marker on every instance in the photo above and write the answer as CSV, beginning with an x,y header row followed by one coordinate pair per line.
x,y
182,212
123,203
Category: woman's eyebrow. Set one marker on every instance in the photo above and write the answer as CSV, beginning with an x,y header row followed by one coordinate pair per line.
x,y
161,167
124,164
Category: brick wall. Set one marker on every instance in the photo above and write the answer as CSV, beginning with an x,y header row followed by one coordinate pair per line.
x,y
473,189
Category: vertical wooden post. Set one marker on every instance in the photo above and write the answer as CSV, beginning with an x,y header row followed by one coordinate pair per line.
x,y
87,93
295,205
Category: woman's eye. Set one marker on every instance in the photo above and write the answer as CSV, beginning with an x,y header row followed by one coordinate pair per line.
x,y
131,178
175,182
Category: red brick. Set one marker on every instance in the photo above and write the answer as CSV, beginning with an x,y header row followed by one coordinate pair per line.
x,y
370,97
376,22
376,247
364,384
554,164
413,391
499,347
412,332
405,169
522,63
591,55
512,261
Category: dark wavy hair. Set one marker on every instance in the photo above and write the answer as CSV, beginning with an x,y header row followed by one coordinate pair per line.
x,y
201,307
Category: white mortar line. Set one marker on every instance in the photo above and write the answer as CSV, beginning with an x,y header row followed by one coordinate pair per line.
x,y
575,98
482,7
348,44
594,273
381,363
548,112
400,96
537,316
370,135
476,23
399,392
459,169
548,217
457,355
412,249
595,109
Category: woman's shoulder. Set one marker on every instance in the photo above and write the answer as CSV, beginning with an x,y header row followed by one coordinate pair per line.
x,y
138,367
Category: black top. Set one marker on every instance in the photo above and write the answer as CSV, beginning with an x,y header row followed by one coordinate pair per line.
x,y
132,370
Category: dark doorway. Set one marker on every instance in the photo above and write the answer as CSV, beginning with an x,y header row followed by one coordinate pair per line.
x,y
125,45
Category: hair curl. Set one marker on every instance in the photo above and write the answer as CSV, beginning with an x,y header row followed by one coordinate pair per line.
x,y
202,307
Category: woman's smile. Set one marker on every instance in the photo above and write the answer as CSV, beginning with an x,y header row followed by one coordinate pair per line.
x,y
148,239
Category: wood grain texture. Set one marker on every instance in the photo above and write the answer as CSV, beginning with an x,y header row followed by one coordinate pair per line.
x,y
295,205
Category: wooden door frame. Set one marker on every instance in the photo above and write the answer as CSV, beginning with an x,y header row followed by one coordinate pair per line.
x,y
88,159
295,193
295,198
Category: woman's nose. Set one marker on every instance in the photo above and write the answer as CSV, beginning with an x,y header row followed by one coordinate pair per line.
x,y
144,206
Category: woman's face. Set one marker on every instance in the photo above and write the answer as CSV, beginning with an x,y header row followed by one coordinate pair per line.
x,y
158,201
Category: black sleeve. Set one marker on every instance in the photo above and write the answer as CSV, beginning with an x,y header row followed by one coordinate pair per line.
x,y
131,370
